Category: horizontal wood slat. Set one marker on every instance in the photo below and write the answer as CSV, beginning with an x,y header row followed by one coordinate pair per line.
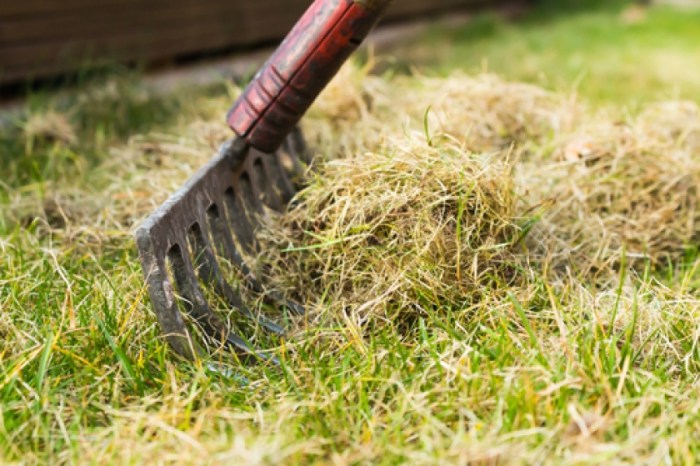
x,y
41,38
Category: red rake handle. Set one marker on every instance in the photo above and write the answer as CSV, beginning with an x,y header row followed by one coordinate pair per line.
x,y
287,85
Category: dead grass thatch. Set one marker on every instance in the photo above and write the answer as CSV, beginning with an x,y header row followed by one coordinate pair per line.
x,y
415,225
629,190
432,219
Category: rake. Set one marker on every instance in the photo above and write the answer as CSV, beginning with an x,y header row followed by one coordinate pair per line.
x,y
210,224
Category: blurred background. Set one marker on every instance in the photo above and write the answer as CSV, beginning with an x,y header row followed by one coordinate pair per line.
x,y
44,38
66,42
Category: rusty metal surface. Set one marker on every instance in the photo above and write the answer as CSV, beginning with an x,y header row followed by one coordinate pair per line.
x,y
213,218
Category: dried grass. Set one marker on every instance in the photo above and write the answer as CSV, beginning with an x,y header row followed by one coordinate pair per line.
x,y
395,231
623,189
431,218
488,113
50,125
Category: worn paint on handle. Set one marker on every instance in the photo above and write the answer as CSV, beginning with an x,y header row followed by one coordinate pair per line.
x,y
286,86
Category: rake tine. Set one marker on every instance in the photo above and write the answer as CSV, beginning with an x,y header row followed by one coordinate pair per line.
x,y
236,343
241,225
227,247
278,299
163,298
295,145
280,181
193,299
252,206
289,159
209,271
196,305
208,320
263,186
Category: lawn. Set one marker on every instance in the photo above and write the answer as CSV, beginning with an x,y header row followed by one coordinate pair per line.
x,y
627,58
571,340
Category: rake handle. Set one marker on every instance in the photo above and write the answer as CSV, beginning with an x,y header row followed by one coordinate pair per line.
x,y
308,58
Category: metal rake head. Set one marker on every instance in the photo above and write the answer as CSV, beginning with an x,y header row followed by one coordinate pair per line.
x,y
190,244
214,216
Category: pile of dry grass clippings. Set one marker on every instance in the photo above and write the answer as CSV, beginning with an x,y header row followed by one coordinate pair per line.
x,y
358,111
409,227
444,177
351,113
624,188
487,113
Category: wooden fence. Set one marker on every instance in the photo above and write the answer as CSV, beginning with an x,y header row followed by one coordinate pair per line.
x,y
43,38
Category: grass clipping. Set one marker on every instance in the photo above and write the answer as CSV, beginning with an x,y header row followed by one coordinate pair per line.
x,y
513,181
412,227
628,188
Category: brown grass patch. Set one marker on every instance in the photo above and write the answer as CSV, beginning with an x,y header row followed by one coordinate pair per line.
x,y
394,231
432,218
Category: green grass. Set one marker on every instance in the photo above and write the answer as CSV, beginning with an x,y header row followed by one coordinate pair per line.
x,y
594,52
86,378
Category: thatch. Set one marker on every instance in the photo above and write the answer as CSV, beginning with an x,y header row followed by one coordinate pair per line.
x,y
443,189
